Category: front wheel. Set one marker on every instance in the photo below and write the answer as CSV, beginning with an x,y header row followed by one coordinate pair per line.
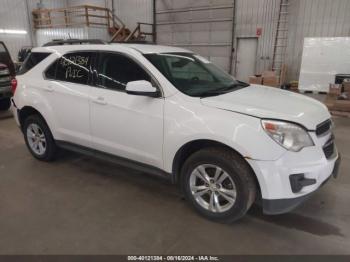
x,y
219,184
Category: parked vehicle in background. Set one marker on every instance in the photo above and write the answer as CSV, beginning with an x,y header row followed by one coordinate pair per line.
x,y
7,74
23,53
168,111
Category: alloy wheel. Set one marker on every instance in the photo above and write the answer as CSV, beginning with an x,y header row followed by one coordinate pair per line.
x,y
36,139
212,188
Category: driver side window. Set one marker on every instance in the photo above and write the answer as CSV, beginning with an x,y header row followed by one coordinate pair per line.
x,y
115,71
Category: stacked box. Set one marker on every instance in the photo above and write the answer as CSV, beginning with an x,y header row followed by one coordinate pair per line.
x,y
346,85
335,89
257,79
332,100
270,81
268,78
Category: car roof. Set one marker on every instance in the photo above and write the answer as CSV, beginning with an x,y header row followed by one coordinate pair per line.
x,y
142,48
150,49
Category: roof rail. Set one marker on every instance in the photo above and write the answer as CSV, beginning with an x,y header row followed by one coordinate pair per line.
x,y
143,42
75,42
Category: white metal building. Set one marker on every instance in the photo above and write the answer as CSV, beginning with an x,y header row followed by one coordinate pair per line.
x,y
207,27
225,31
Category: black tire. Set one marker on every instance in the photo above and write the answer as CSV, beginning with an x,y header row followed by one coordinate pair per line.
x,y
5,104
51,147
237,169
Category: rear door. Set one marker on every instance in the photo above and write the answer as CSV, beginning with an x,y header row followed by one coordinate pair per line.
x,y
66,91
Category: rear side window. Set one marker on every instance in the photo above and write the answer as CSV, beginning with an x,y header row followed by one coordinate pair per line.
x,y
32,60
72,67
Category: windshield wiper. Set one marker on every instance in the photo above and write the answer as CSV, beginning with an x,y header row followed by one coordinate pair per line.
x,y
211,93
238,84
225,90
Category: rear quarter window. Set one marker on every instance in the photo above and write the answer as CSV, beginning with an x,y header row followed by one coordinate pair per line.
x,y
31,61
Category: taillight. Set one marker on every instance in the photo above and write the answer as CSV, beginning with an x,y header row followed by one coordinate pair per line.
x,y
13,85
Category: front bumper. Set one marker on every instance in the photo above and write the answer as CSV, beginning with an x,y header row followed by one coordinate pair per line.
x,y
280,206
279,194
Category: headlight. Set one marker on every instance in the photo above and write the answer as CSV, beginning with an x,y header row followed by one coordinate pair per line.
x,y
291,136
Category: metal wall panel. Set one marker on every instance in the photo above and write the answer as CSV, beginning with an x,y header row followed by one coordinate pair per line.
x,y
13,15
211,36
130,11
46,35
98,33
203,26
133,11
307,18
33,4
254,14
101,3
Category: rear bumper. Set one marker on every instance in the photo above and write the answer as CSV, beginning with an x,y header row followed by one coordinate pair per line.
x,y
5,91
280,206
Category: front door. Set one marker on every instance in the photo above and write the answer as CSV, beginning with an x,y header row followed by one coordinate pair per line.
x,y
125,125
246,58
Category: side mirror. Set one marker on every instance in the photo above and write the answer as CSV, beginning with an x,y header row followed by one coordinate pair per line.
x,y
141,88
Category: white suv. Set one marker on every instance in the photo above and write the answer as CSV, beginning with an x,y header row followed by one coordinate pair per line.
x,y
170,112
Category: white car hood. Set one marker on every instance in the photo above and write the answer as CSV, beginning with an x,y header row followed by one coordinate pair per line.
x,y
273,103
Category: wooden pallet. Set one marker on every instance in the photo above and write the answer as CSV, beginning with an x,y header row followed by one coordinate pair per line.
x,y
340,113
313,92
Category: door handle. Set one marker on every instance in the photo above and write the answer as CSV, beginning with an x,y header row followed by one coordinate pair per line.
x,y
100,101
49,88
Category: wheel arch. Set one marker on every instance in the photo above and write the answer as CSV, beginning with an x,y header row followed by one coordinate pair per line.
x,y
27,111
194,146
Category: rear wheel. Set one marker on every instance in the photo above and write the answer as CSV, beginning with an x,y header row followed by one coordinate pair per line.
x,y
39,139
219,184
5,104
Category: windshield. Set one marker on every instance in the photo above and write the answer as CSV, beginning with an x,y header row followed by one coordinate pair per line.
x,y
194,75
